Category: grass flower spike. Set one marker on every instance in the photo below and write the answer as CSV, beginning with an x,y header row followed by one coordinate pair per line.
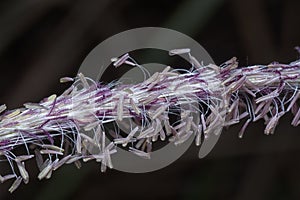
x,y
172,105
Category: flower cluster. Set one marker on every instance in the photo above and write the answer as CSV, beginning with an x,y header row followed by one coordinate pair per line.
x,y
167,106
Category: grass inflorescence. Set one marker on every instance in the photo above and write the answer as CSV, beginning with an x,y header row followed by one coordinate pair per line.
x,y
167,106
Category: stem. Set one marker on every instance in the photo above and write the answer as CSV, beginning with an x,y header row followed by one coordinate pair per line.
x,y
71,127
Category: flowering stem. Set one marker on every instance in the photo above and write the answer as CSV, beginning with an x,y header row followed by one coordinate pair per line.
x,y
72,127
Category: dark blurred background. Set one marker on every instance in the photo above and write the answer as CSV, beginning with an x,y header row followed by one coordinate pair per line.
x,y
41,41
